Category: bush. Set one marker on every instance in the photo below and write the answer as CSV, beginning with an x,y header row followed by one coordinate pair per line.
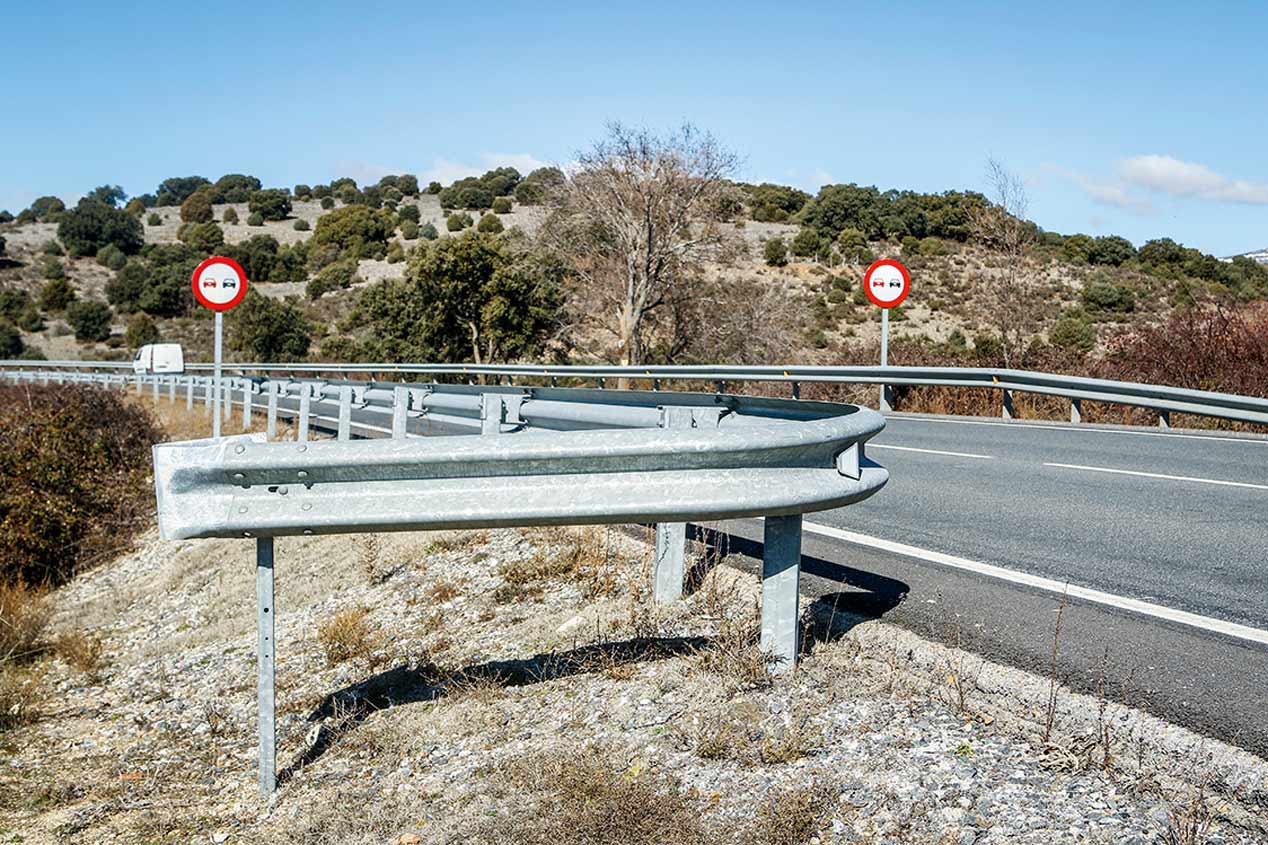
x,y
502,205
433,188
490,224
267,329
300,225
302,191
1073,332
338,275
230,217
197,208
932,246
234,187
776,252
111,256
52,268
327,203
409,212
177,189
11,344
1109,297
271,204
154,219
73,478
141,330
395,253
90,319
52,248
206,238
806,243
2,244
911,247
428,231
354,231
256,219
56,295
46,208
457,222
409,230
92,225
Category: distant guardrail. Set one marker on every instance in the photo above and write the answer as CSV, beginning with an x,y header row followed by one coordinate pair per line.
x,y
1162,399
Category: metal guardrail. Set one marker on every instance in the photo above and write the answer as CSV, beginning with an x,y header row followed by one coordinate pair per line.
x,y
546,456
1163,399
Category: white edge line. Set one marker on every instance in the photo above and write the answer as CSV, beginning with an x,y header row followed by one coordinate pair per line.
x,y
1193,620
1160,475
1080,428
930,451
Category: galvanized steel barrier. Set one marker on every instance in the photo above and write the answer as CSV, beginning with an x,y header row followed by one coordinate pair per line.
x,y
545,456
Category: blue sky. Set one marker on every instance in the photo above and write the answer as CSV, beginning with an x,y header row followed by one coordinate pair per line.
x,y
1144,120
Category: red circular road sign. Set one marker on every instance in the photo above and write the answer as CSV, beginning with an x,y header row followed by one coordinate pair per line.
x,y
219,283
887,283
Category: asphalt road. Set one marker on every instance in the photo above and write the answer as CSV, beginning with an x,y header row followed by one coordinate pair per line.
x,y
1177,519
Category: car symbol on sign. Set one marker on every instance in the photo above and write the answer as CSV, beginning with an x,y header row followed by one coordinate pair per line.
x,y
230,283
209,283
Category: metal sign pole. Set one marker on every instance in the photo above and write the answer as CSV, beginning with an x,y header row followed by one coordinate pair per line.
x,y
884,404
215,413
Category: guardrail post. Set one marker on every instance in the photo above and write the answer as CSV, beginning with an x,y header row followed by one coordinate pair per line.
x,y
171,389
796,390
887,399
266,612
139,385
781,576
1076,411
345,412
305,408
492,413
226,398
247,384
671,537
1006,404
272,413
400,405
189,392
1164,419
155,388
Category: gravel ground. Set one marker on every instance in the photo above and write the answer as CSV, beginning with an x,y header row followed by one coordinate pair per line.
x,y
489,649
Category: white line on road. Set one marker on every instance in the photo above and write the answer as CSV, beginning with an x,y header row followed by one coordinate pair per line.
x,y
929,451
1082,428
1160,475
1193,620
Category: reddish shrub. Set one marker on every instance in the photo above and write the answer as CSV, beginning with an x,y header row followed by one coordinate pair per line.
x,y
74,463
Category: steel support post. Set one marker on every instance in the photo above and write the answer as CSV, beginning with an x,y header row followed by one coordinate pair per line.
x,y
228,399
400,406
207,395
139,385
305,408
189,393
171,389
671,561
246,404
272,414
492,413
345,412
266,613
781,575
154,390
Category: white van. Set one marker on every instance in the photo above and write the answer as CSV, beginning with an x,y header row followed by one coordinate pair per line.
x,y
159,358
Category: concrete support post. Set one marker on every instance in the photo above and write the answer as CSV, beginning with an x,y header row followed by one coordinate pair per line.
x,y
886,399
155,388
1076,411
781,576
247,401
207,395
265,664
171,389
272,412
345,412
1006,404
1164,419
189,393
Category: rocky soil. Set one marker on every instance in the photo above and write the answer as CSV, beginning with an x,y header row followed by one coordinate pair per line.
x,y
519,686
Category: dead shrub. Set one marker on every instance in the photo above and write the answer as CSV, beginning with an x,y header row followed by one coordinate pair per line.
x,y
20,693
1188,822
74,464
443,591
24,614
347,635
735,656
792,815
370,558
81,651
591,796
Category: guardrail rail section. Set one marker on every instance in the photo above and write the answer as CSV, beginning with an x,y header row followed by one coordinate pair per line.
x,y
540,456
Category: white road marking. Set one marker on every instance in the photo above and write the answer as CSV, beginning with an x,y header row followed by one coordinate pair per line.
x,y
1083,428
929,451
1160,475
1193,620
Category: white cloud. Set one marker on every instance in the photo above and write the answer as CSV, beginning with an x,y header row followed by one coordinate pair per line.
x,y
445,171
1177,178
1111,193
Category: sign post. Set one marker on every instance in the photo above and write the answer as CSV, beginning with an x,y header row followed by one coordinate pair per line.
x,y
887,284
219,284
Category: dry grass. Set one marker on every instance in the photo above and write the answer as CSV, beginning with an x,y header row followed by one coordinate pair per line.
x,y
735,657
370,558
739,735
792,815
81,651
443,591
348,635
24,614
591,796
1188,822
21,691
456,542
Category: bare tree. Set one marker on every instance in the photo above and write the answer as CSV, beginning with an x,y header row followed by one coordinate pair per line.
x,y
1002,226
635,217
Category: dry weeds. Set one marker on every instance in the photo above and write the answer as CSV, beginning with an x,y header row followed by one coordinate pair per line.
x,y
348,635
